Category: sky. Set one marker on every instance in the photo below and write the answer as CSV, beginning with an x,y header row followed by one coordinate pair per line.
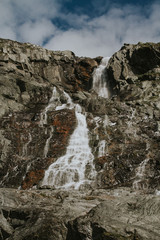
x,y
89,28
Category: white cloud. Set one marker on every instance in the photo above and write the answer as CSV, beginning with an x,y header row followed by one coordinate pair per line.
x,y
7,33
84,42
36,32
33,10
28,20
35,22
106,34
6,21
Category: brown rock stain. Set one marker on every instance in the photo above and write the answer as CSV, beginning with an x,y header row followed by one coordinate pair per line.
x,y
32,178
64,124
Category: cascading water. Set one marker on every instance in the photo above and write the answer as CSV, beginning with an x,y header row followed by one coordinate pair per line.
x,y
102,148
140,178
46,148
99,79
76,167
25,147
100,87
53,102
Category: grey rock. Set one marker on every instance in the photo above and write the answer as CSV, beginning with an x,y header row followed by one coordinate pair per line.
x,y
124,135
5,226
99,214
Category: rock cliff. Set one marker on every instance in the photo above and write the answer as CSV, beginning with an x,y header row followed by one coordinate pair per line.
x,y
44,97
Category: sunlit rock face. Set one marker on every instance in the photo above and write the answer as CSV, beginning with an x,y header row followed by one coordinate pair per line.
x,y
26,154
135,72
29,144
122,121
83,136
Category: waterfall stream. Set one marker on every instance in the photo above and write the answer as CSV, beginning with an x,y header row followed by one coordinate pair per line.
x,y
99,79
76,167
25,147
53,102
102,148
141,173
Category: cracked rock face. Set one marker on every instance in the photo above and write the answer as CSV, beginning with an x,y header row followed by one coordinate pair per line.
x,y
28,75
124,137
117,218
98,215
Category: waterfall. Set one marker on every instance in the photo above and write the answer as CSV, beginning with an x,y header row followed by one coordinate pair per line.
x,y
141,174
46,148
99,79
25,147
76,167
100,87
102,148
53,102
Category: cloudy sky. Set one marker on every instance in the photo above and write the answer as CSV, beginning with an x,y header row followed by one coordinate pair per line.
x,y
87,27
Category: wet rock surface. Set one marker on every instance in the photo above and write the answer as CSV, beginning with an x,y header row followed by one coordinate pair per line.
x,y
124,137
27,141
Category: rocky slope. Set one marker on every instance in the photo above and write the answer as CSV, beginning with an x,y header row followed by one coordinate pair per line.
x,y
97,215
40,91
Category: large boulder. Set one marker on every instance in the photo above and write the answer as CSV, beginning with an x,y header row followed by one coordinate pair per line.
x,y
93,215
134,71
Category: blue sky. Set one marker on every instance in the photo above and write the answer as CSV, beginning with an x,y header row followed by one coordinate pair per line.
x,y
86,27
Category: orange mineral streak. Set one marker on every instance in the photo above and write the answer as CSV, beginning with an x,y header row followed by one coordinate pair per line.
x,y
32,178
64,124
61,126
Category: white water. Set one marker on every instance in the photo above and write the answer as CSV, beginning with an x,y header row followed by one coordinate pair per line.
x,y
46,148
69,104
139,182
100,87
76,167
102,148
53,102
157,193
25,147
99,79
